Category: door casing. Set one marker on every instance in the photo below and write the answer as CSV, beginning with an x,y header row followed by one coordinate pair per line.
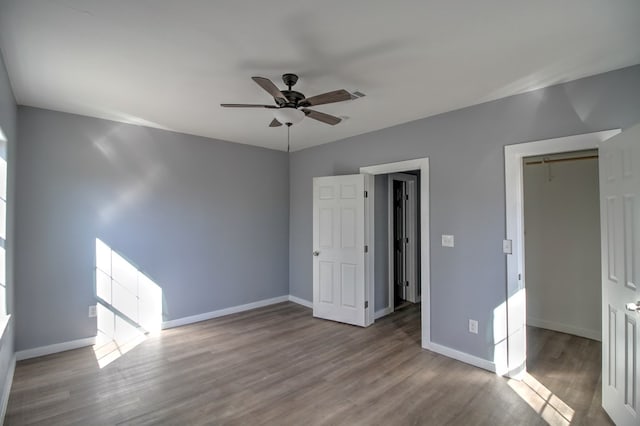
x,y
421,164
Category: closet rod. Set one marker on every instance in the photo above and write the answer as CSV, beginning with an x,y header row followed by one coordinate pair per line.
x,y
559,160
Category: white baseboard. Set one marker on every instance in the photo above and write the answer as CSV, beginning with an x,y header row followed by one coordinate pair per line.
x,y
564,328
299,301
7,389
462,356
222,312
382,312
89,341
52,349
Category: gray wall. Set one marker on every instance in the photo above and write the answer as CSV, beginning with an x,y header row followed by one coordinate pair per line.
x,y
207,220
8,124
562,246
465,148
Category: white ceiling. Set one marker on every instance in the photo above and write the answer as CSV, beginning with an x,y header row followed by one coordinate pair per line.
x,y
169,64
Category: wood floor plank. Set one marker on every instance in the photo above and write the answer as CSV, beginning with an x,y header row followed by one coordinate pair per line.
x,y
278,365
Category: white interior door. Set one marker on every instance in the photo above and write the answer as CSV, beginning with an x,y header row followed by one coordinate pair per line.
x,y
620,225
339,258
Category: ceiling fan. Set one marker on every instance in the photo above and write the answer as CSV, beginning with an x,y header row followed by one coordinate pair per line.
x,y
291,106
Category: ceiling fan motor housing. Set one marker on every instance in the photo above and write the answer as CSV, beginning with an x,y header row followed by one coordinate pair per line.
x,y
293,98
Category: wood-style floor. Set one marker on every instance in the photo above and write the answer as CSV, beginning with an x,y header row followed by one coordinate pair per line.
x,y
278,365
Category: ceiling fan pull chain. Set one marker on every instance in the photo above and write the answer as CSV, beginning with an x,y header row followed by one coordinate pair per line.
x,y
288,136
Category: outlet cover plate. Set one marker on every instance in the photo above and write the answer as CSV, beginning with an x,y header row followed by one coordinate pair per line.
x,y
473,326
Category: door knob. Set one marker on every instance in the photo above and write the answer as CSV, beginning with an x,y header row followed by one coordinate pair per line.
x,y
316,253
633,306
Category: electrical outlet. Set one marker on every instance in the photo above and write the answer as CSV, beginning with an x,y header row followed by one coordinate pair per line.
x,y
473,326
92,311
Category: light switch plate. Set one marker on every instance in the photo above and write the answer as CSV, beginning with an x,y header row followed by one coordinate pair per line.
x,y
92,311
473,326
506,246
447,241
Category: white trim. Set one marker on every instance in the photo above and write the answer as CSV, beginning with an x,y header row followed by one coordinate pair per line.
x,y
390,247
222,312
55,348
90,341
421,164
462,356
515,312
565,328
370,255
299,301
397,167
7,388
383,312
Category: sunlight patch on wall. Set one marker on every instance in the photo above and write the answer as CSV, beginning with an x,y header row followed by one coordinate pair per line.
x,y
551,408
500,351
3,281
115,336
129,305
508,328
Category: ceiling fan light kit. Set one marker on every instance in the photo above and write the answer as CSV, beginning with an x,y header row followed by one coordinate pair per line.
x,y
292,106
288,115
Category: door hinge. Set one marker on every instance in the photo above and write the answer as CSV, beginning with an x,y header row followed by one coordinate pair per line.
x,y
407,197
366,194
366,304
406,240
366,249
519,277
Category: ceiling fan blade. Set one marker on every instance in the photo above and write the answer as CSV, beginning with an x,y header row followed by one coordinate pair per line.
x,y
327,98
275,123
271,88
248,106
321,116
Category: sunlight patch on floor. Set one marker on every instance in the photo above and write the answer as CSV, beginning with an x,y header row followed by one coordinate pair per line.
x,y
108,350
551,408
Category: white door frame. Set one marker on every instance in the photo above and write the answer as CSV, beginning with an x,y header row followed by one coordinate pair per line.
x,y
510,358
411,224
421,164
